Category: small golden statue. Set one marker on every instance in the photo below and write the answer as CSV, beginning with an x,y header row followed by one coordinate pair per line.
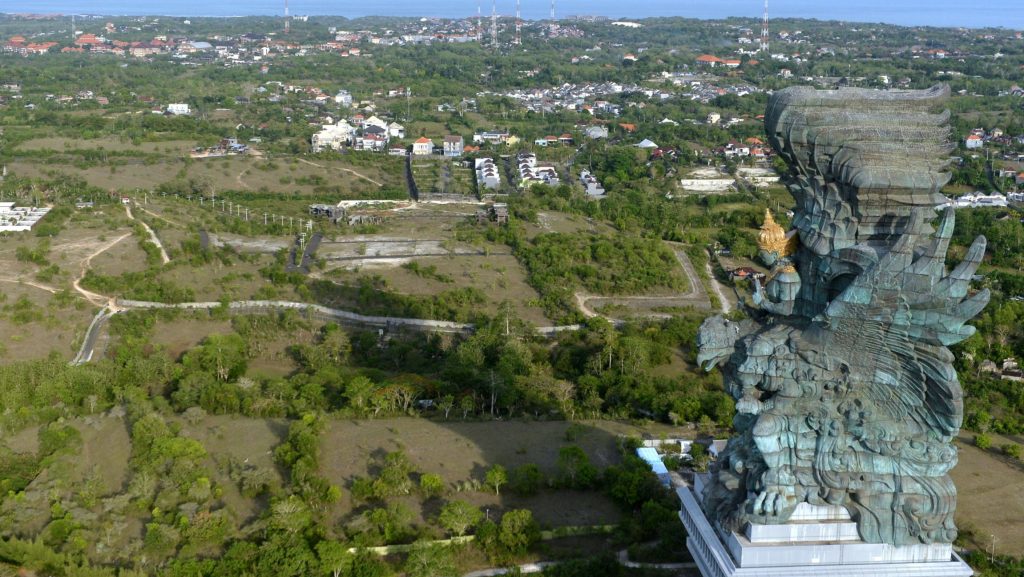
x,y
783,283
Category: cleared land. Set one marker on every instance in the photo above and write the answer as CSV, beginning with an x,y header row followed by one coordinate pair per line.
x,y
458,451
989,497
321,179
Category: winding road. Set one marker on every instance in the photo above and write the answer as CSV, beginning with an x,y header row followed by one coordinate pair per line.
x,y
695,293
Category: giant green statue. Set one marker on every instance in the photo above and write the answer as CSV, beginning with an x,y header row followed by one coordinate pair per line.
x,y
844,386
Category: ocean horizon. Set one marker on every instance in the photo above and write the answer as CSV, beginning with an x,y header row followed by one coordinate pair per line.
x,y
942,13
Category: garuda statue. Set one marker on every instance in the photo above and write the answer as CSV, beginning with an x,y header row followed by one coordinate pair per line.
x,y
844,386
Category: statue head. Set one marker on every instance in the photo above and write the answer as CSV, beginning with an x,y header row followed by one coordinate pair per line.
x,y
773,242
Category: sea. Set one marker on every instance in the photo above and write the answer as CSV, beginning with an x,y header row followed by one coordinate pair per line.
x,y
945,13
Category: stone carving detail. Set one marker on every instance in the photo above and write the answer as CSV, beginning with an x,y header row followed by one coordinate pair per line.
x,y
845,390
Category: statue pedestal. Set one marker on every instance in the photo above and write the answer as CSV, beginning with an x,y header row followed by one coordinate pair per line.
x,y
816,542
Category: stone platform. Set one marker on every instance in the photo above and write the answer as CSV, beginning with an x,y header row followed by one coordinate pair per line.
x,y
816,542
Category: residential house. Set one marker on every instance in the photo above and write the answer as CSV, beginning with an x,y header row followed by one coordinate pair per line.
x,y
746,272
423,147
973,141
487,175
453,145
375,121
396,130
708,60
595,132
178,109
590,184
491,137
333,136
531,173
370,141
343,98
732,149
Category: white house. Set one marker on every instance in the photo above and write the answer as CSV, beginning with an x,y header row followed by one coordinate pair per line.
x,y
375,121
343,98
19,219
531,173
487,175
396,130
423,147
453,145
974,141
590,184
978,200
333,136
178,109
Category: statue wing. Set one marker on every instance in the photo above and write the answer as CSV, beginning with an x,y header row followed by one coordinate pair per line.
x,y
906,309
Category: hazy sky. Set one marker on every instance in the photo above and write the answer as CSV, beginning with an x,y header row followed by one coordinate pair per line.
x,y
974,13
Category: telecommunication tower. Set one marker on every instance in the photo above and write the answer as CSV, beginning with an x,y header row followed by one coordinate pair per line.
x,y
494,23
479,30
552,10
519,27
287,19
764,29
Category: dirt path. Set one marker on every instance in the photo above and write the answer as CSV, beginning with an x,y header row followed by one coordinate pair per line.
x,y
155,215
726,305
581,301
33,284
241,182
696,287
152,236
95,298
695,292
348,170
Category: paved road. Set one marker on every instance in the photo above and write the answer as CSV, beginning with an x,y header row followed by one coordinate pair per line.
x,y
85,352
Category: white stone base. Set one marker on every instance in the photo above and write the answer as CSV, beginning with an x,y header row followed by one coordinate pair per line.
x,y
820,542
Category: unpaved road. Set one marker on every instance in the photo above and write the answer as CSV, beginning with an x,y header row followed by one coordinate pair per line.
x,y
152,236
348,170
692,296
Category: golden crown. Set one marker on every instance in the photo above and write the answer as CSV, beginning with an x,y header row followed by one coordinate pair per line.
x,y
773,237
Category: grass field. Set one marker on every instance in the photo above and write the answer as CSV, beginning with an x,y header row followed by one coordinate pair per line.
x,y
322,179
989,499
462,451
34,322
458,451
